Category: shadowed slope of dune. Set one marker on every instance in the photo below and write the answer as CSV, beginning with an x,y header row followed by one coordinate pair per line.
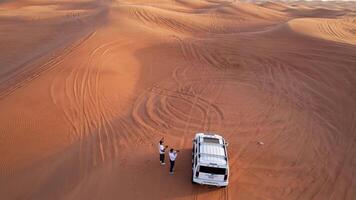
x,y
316,12
275,5
46,30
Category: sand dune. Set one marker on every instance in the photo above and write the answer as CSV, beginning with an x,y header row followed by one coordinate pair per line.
x,y
87,88
274,5
338,30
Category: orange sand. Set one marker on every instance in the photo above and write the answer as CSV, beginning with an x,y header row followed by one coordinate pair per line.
x,y
88,87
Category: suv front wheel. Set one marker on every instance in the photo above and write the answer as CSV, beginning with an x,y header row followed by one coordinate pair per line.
x,y
192,178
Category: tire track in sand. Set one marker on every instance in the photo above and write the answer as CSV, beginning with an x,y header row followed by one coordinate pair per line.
x,y
184,103
31,73
209,82
89,112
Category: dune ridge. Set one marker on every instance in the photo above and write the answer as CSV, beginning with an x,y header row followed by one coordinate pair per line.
x,y
338,30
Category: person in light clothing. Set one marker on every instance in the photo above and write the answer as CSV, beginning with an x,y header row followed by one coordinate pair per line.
x,y
162,150
172,159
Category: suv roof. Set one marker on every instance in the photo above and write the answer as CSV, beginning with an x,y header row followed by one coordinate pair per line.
x,y
211,149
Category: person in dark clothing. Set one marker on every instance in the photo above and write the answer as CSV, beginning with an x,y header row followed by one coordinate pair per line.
x,y
172,159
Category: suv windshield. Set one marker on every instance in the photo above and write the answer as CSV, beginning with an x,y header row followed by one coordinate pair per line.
x,y
212,170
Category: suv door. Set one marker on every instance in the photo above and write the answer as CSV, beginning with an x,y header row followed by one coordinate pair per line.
x,y
194,159
193,152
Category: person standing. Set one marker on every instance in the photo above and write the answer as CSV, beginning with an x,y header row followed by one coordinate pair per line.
x,y
172,159
162,150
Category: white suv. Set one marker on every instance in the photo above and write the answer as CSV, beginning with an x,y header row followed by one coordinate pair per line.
x,y
209,160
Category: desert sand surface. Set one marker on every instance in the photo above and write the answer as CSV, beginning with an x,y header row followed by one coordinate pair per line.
x,y
88,87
